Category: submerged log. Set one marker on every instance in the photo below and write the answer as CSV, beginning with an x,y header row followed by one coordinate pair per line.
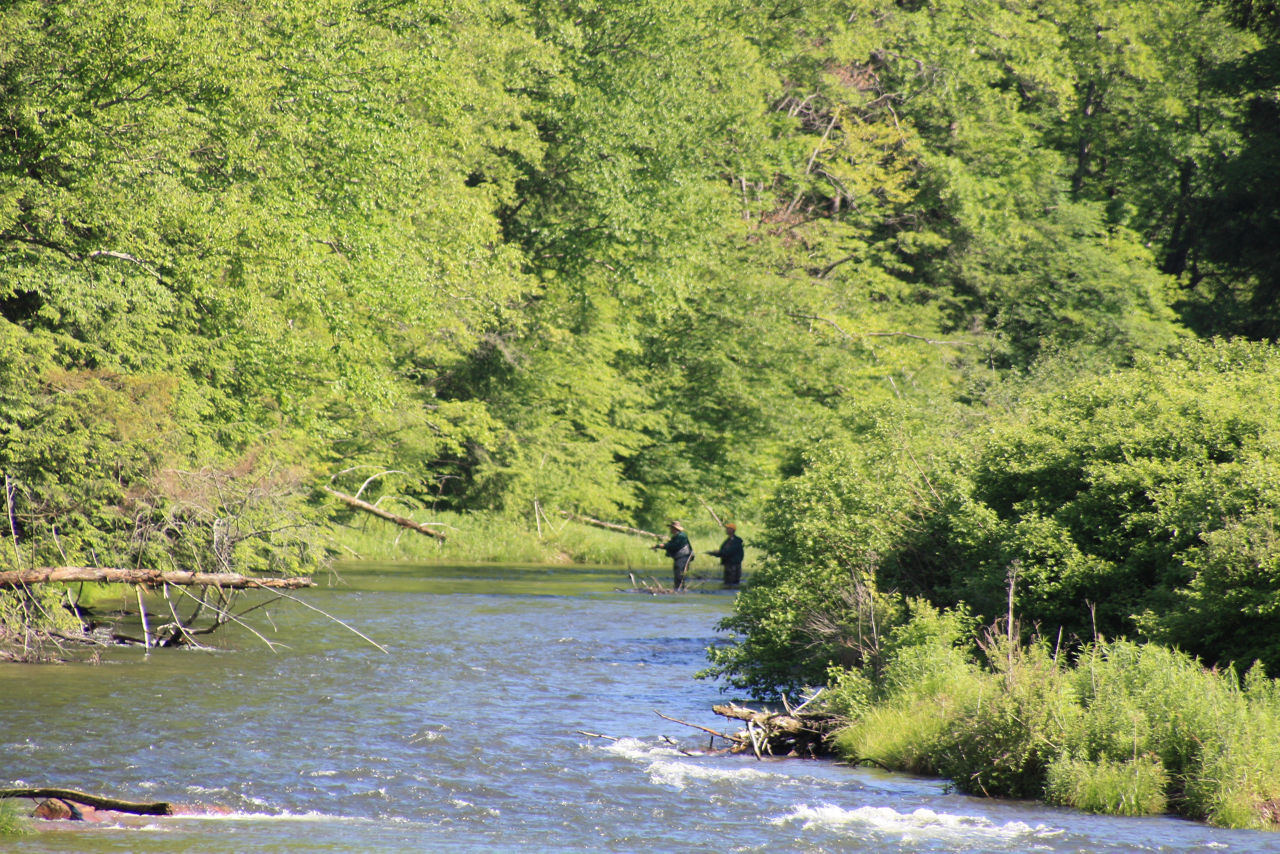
x,y
145,577
71,796
402,521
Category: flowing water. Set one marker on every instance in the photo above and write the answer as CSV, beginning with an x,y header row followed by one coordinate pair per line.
x,y
478,730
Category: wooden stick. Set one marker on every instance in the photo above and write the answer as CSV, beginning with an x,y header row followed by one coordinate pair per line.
x,y
145,577
142,610
402,521
712,512
695,726
150,808
346,626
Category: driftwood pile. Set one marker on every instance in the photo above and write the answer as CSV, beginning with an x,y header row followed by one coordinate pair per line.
x,y
791,732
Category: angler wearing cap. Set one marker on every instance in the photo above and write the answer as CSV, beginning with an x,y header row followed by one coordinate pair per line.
x,y
730,554
680,552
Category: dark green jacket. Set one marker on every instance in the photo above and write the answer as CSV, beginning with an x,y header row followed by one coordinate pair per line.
x,y
730,550
679,542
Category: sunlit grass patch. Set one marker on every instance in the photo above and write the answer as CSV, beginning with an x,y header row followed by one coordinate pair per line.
x,y
899,736
12,821
491,538
1130,787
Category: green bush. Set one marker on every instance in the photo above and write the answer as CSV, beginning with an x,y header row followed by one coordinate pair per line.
x,y
1128,729
1152,490
1139,501
1001,745
925,683
1130,787
814,601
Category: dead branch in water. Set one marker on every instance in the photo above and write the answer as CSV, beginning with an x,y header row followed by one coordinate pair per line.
x,y
796,733
95,801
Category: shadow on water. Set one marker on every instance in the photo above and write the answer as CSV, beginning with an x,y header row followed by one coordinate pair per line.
x,y
514,711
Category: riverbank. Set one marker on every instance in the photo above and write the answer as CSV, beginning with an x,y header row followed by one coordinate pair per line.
x,y
1118,728
489,538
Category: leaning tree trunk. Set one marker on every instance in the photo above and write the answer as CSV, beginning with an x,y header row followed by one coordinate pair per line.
x,y
402,521
145,577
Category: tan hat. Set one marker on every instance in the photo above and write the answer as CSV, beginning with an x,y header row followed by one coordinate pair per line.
x,y
675,526
730,526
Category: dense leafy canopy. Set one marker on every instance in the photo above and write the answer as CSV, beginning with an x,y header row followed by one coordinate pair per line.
x,y
896,276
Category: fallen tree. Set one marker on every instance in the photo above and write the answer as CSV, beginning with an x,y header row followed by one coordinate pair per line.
x,y
402,521
95,801
145,577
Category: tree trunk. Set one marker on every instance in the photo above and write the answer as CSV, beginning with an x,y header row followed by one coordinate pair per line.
x,y
402,521
147,577
152,808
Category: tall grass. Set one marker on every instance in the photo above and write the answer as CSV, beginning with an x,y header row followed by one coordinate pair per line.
x,y
490,538
1124,729
12,820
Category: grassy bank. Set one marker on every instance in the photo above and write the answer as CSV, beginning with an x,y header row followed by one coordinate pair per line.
x,y
1121,729
485,538
13,822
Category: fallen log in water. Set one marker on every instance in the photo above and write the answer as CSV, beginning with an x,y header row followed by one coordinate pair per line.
x,y
96,801
402,521
145,577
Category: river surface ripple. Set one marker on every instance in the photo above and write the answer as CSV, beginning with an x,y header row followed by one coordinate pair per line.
x,y
468,735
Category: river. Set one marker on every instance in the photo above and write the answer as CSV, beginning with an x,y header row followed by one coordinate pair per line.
x,y
468,735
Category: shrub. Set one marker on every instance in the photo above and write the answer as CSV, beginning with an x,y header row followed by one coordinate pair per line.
x,y
1130,729
925,682
1131,787
1002,744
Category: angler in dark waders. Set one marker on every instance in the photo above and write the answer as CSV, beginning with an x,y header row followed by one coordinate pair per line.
x,y
730,554
680,552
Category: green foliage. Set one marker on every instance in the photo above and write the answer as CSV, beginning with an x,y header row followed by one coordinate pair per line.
x,y
225,240
848,693
1128,787
478,537
12,822
1139,499
1002,744
924,681
1128,729
1110,490
859,505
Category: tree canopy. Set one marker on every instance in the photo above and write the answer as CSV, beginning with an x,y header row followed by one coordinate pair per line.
x,y
624,259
